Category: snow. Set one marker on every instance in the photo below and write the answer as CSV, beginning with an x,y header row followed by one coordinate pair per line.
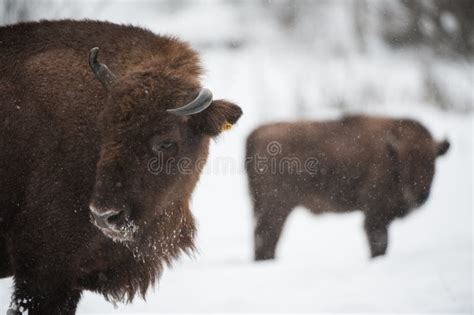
x,y
322,261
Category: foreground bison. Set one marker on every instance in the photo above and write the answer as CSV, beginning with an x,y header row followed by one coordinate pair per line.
x,y
381,166
80,206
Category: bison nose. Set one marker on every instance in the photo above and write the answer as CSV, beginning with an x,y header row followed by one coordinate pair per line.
x,y
110,219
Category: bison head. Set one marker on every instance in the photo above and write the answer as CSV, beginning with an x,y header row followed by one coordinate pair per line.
x,y
416,151
155,131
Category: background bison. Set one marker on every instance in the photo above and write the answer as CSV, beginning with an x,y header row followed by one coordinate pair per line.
x,y
79,207
292,60
381,166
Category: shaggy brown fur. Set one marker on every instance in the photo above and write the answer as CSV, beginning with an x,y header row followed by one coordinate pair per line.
x,y
383,167
65,138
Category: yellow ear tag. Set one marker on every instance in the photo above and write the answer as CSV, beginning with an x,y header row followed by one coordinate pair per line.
x,y
226,126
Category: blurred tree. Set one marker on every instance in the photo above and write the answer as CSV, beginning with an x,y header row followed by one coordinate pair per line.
x,y
455,20
286,12
12,11
443,25
360,23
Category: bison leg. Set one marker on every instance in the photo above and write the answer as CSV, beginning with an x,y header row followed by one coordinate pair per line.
x,y
269,225
377,235
42,299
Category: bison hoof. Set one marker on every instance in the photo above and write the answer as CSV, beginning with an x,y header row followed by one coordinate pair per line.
x,y
264,257
378,254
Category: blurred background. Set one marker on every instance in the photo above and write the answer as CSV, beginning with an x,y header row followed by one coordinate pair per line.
x,y
314,59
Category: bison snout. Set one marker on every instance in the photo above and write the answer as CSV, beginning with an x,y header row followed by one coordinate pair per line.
x,y
111,219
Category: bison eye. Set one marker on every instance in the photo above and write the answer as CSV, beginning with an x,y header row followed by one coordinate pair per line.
x,y
158,146
166,145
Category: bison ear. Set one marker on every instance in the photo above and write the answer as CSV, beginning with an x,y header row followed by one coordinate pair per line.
x,y
219,116
442,147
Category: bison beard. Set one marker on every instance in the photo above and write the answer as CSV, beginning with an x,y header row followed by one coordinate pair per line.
x,y
79,210
383,167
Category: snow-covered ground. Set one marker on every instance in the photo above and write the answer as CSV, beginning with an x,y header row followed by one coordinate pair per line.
x,y
323,263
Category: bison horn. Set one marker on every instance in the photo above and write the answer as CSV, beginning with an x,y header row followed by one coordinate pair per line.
x,y
200,103
101,71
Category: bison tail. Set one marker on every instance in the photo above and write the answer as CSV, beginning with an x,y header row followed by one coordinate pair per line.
x,y
442,147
